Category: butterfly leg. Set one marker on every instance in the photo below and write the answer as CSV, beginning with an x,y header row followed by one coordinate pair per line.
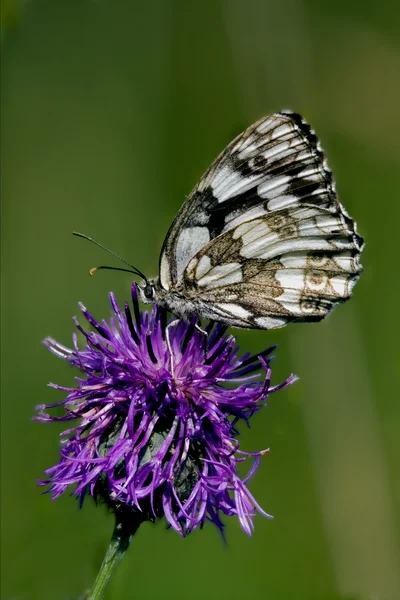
x,y
205,334
167,337
203,331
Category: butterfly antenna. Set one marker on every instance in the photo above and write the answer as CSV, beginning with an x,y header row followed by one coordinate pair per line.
x,y
132,269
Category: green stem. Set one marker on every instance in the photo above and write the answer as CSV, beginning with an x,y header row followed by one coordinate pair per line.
x,y
120,540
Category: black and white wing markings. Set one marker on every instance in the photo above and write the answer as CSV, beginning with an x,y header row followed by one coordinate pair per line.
x,y
263,239
276,163
275,269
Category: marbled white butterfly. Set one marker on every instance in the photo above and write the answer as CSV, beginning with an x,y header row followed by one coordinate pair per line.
x,y
262,240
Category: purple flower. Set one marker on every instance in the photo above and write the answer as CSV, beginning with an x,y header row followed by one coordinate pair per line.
x,y
157,408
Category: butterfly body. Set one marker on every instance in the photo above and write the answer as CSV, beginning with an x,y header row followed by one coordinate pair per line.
x,y
262,240
176,301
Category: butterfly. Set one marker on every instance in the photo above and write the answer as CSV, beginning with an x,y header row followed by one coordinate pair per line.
x,y
262,240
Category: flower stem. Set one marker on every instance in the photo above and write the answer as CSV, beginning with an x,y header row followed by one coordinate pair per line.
x,y
120,540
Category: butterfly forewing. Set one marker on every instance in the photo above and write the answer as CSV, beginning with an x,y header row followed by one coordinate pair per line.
x,y
263,240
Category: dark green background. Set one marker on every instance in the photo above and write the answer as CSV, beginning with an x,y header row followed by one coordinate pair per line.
x,y
111,111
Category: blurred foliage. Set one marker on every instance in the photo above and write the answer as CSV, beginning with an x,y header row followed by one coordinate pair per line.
x,y
10,11
110,113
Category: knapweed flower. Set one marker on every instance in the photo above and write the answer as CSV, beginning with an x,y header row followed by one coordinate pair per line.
x,y
157,408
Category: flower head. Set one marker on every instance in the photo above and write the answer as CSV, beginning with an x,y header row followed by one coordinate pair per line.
x,y
157,409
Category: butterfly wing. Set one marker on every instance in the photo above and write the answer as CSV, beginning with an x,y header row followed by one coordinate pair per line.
x,y
294,265
263,239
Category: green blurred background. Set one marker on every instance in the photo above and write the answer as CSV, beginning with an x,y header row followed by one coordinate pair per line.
x,y
111,111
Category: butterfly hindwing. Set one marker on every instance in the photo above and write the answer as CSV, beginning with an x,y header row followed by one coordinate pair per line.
x,y
288,269
262,239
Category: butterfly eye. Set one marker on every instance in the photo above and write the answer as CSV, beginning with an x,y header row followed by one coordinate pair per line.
x,y
148,291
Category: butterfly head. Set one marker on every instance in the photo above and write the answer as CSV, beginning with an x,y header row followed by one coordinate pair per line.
x,y
148,290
